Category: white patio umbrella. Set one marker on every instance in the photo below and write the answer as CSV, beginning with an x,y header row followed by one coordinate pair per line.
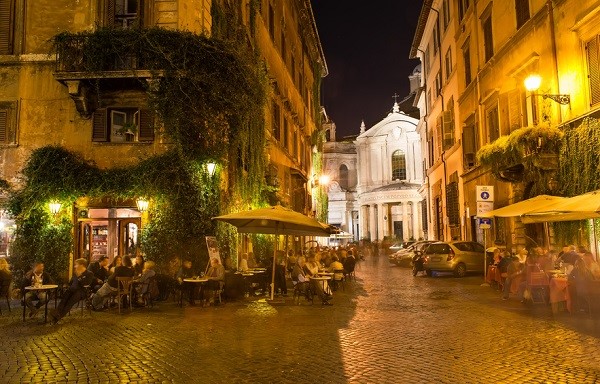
x,y
581,207
277,221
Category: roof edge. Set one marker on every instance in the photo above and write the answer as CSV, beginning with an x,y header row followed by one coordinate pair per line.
x,y
423,17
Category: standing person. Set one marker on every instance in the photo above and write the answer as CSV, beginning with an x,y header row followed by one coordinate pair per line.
x,y
76,291
36,276
100,298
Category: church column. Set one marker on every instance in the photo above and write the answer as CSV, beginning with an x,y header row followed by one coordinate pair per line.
x,y
380,221
415,218
372,223
364,222
405,234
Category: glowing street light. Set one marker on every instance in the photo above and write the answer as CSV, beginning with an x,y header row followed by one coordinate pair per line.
x,y
533,82
211,167
142,204
54,207
324,179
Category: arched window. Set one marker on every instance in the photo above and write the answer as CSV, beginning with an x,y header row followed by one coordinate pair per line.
x,y
398,165
343,181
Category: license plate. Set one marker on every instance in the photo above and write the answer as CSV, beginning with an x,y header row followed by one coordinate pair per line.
x,y
436,259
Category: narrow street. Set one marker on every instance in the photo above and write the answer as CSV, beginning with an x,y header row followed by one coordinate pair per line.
x,y
388,327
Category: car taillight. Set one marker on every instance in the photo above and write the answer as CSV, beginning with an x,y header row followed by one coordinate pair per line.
x,y
450,255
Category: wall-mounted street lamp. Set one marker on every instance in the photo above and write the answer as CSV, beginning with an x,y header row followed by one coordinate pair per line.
x,y
54,207
533,83
211,168
324,179
142,204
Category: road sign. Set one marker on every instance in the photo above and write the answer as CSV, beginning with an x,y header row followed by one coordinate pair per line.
x,y
485,223
485,193
484,207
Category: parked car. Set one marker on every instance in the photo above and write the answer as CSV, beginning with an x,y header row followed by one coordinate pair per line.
x,y
400,246
460,257
404,256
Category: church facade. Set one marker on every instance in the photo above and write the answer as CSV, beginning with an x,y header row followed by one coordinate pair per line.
x,y
376,177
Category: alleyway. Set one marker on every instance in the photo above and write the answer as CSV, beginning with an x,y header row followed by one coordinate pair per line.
x,y
387,328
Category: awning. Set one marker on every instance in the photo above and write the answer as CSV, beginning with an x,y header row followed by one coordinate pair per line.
x,y
523,207
582,207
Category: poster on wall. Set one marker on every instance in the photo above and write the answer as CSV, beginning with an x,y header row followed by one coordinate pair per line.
x,y
213,248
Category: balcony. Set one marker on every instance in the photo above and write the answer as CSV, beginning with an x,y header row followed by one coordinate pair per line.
x,y
528,154
105,58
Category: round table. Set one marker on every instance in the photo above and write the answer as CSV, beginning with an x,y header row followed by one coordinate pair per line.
x,y
40,288
189,282
323,280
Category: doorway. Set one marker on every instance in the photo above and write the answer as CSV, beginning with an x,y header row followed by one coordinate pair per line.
x,y
399,230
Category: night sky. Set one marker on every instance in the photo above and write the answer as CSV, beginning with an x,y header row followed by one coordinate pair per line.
x,y
366,46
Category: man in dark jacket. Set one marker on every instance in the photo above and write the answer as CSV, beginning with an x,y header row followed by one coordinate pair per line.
x,y
36,276
101,297
81,280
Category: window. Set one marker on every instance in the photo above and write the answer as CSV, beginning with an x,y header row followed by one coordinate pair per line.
x,y
286,134
426,58
448,63
448,125
283,46
276,121
488,41
124,13
446,13
436,38
438,83
122,124
6,27
522,9
592,48
343,179
452,204
295,145
398,165
469,142
8,122
467,63
492,123
463,7
271,22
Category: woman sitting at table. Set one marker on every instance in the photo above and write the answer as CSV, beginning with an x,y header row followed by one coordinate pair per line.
x,y
311,268
336,266
142,282
117,262
139,265
302,281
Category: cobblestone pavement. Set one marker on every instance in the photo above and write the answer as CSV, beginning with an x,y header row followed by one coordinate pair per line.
x,y
388,327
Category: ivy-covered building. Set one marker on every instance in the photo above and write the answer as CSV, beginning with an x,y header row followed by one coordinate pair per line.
x,y
142,119
510,100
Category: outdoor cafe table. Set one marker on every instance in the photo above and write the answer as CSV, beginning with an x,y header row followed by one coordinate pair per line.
x,y
190,285
559,291
247,276
41,288
323,280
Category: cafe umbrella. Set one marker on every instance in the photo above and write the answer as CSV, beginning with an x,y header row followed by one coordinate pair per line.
x,y
276,220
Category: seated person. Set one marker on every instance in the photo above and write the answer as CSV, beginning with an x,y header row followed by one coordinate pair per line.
x,y
142,282
36,276
349,262
291,260
497,256
336,266
185,272
139,265
311,267
280,282
100,298
514,270
100,270
117,262
301,281
591,265
82,278
5,274
216,277
244,263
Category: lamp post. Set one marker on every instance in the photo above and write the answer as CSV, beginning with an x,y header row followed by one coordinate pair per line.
x,y
532,84
211,167
142,204
54,207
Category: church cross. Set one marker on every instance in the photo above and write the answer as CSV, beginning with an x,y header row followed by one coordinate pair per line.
x,y
395,97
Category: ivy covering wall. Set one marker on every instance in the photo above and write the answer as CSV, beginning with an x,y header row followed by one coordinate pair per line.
x,y
210,103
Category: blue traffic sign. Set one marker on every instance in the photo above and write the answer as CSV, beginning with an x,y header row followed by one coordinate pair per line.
x,y
485,195
484,221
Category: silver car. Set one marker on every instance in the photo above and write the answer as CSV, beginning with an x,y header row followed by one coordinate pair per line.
x,y
459,257
404,257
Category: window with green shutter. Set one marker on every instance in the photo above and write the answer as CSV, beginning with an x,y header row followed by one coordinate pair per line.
x,y
593,59
7,9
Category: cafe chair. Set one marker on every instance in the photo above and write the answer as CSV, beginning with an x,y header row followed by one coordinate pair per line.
x,y
5,293
338,278
302,289
151,292
124,289
538,284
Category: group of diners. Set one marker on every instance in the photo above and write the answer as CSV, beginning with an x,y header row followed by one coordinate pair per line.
x,y
204,287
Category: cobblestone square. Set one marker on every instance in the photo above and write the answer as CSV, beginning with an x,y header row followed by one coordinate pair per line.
x,y
388,327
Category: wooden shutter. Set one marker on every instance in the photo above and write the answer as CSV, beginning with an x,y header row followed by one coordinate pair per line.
x,y
448,128
99,126
109,13
504,115
4,126
146,128
439,136
593,69
515,115
522,9
6,27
